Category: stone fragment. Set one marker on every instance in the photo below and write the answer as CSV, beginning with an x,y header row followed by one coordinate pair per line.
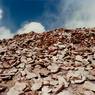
x,y
18,52
62,80
58,88
90,77
47,80
30,75
1,65
61,46
6,76
89,85
46,90
12,71
65,92
78,76
92,72
53,68
23,73
79,58
85,62
30,93
6,65
52,49
88,93
29,60
77,63
30,54
21,66
94,56
37,85
17,89
53,82
44,72
93,63
23,59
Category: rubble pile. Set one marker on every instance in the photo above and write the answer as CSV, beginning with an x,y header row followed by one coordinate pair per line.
x,y
58,62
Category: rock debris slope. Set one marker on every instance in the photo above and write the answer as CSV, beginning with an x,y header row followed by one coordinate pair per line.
x,y
58,62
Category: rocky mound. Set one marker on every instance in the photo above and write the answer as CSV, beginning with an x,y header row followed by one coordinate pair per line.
x,y
58,62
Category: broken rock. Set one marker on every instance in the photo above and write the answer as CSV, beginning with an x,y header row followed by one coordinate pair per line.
x,y
37,85
88,93
17,89
53,68
46,90
79,58
89,85
65,92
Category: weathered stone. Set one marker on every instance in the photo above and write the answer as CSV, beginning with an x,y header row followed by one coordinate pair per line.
x,y
59,88
23,73
37,85
30,93
94,56
92,72
1,65
65,92
77,76
52,49
23,59
46,90
21,66
88,93
17,89
90,77
6,76
53,82
53,68
79,58
30,75
89,85
62,80
61,46
6,65
12,71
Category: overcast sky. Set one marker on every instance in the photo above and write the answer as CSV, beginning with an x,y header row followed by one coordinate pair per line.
x,y
41,15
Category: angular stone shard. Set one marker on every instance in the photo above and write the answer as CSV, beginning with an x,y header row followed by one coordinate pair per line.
x,y
89,85
37,85
17,89
65,92
53,68
79,58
